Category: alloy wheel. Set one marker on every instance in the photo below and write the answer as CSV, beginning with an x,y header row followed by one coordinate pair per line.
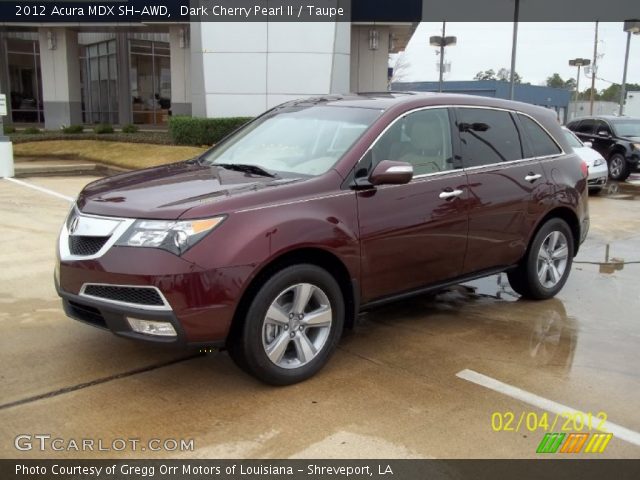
x,y
616,166
552,259
297,325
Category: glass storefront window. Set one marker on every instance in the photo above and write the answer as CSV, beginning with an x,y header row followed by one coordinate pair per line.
x,y
25,81
150,82
99,77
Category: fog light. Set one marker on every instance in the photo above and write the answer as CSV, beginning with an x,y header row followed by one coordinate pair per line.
x,y
151,327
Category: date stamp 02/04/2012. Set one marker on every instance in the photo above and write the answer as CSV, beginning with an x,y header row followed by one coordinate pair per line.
x,y
568,432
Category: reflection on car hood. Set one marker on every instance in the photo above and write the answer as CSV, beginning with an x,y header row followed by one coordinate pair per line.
x,y
169,190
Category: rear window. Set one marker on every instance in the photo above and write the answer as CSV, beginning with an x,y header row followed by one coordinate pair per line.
x,y
541,142
488,136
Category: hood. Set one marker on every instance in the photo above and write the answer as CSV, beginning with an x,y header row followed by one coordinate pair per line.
x,y
168,191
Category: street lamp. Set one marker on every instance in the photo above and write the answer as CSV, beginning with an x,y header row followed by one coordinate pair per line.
x,y
578,62
630,26
442,41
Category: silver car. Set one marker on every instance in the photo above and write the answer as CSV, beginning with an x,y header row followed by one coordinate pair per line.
x,y
598,171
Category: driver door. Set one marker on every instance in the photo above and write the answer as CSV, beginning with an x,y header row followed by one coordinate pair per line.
x,y
413,235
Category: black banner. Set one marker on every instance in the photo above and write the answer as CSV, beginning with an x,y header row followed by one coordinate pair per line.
x,y
319,469
407,11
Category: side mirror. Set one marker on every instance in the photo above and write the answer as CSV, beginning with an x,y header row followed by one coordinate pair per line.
x,y
388,172
588,144
604,133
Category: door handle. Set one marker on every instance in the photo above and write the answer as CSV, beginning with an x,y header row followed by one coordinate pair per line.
x,y
532,177
447,195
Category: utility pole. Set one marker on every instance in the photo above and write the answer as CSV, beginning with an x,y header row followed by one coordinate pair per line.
x,y
594,68
624,74
513,50
444,26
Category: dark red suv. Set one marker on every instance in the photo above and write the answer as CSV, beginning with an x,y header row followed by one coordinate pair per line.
x,y
270,243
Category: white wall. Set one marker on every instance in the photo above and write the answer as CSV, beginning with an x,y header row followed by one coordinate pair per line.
x,y
180,70
245,68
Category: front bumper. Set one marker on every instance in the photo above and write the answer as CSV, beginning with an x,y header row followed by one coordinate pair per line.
x,y
598,176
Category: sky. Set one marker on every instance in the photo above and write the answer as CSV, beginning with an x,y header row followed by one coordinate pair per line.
x,y
543,49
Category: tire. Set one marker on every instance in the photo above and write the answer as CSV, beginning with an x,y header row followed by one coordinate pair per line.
x,y
531,279
618,167
281,350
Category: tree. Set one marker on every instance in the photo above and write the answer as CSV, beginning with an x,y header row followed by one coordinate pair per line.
x,y
556,81
486,75
502,75
400,68
612,92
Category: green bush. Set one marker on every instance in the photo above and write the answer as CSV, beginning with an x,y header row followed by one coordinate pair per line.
x,y
103,128
129,128
9,129
203,131
73,129
31,130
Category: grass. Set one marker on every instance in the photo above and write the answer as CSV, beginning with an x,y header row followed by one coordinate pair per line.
x,y
119,154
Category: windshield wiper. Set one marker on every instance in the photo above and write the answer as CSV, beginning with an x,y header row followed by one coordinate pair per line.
x,y
244,167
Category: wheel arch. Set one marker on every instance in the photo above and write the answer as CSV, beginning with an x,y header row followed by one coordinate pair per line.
x,y
568,216
306,255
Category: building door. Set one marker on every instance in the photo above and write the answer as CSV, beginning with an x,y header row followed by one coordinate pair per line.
x,y
150,82
25,81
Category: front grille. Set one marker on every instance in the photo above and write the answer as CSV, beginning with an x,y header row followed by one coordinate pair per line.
x,y
87,313
135,295
85,246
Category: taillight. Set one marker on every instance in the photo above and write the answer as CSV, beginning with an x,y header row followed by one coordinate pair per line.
x,y
585,169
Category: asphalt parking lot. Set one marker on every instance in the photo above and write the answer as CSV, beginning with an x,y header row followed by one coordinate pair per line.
x,y
422,378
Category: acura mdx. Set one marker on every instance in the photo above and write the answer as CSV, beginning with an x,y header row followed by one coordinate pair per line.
x,y
271,242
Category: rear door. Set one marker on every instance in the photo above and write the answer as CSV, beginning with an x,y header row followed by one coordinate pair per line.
x,y
504,180
413,235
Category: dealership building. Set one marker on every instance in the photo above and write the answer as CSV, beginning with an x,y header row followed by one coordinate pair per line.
x,y
83,73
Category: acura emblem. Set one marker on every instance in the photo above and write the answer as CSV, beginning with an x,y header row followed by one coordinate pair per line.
x,y
74,225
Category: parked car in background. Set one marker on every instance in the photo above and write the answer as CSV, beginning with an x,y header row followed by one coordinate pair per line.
x,y
598,170
270,243
617,139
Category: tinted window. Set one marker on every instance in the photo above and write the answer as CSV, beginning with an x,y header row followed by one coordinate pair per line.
x,y
488,136
541,142
422,139
602,127
586,126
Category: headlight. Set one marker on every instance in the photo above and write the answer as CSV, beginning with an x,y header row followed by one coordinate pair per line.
x,y
636,146
598,161
175,236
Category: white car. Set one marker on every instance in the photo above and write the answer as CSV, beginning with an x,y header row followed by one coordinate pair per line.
x,y
598,170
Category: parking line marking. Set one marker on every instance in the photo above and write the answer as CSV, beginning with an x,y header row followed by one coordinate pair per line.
x,y
543,403
41,189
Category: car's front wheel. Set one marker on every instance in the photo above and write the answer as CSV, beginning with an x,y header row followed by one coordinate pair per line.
x,y
618,167
546,266
291,327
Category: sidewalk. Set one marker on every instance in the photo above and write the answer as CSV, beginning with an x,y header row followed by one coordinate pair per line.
x,y
36,167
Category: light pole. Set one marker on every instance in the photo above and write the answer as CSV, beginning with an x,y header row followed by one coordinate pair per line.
x,y
578,62
442,41
630,26
512,79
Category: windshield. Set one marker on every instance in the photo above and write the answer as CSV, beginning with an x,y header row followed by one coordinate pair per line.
x,y
300,140
627,128
572,139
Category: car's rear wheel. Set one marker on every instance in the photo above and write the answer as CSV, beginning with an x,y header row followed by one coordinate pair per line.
x,y
618,167
546,266
292,326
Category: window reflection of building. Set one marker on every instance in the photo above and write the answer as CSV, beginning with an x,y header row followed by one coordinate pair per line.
x,y
150,81
25,80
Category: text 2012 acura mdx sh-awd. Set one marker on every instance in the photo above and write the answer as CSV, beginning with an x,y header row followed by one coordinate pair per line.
x,y
270,243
